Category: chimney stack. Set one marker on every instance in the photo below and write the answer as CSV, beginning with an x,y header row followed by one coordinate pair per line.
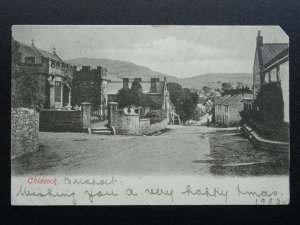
x,y
153,88
86,69
125,83
138,80
259,40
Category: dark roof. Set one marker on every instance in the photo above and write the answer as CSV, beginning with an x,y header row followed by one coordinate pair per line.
x,y
229,100
49,55
271,50
34,51
28,49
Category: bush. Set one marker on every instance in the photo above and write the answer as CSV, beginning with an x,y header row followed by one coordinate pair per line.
x,y
156,116
129,97
25,91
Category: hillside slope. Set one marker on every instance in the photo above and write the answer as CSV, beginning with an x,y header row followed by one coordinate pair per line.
x,y
121,69
118,69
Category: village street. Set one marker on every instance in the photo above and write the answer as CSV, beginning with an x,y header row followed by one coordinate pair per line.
x,y
182,150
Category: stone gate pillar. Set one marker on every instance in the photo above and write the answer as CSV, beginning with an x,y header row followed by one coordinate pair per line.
x,y
86,114
112,106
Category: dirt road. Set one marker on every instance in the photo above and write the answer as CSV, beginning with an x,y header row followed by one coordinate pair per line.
x,y
172,152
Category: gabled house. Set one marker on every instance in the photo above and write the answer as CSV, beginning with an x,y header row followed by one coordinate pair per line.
x,y
54,76
227,110
271,64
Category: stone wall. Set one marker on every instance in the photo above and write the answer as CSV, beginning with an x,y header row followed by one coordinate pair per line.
x,y
132,124
125,124
60,120
264,144
66,120
158,126
24,131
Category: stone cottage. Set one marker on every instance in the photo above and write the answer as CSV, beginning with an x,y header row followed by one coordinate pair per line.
x,y
54,76
228,108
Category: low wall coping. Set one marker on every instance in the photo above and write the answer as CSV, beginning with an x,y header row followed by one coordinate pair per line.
x,y
61,110
144,119
259,138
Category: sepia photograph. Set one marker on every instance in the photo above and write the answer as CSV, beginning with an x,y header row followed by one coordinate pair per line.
x,y
142,101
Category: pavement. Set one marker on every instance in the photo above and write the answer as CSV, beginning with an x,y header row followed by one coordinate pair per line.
x,y
176,151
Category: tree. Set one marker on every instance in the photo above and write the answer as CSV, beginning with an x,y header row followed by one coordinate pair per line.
x,y
184,100
226,86
269,102
134,96
25,92
239,85
24,85
206,90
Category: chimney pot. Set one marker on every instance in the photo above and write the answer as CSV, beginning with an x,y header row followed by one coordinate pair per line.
x,y
125,83
86,68
153,88
259,40
137,79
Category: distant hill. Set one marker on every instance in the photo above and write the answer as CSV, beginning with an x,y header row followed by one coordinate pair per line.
x,y
118,69
121,69
215,80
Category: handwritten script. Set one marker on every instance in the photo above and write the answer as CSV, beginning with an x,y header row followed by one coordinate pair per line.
x,y
113,191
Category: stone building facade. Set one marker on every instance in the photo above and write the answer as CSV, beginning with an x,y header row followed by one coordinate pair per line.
x,y
271,64
227,110
54,76
89,85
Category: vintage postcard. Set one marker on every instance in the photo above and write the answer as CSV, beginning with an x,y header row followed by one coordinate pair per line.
x,y
149,115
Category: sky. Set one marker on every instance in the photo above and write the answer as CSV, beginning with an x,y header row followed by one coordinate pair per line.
x,y
182,51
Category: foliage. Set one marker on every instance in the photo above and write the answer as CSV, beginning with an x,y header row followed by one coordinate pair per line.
x,y
226,86
134,96
206,90
24,86
266,118
185,102
155,116
244,90
269,102
25,92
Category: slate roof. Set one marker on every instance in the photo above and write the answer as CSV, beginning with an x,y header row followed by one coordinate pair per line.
x,y
271,50
28,49
34,51
229,100
49,55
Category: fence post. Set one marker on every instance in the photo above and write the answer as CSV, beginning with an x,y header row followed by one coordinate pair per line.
x,y
86,114
112,108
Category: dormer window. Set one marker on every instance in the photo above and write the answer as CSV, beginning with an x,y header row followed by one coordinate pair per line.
x,y
30,60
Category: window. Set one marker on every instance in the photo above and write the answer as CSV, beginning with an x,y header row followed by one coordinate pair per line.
x,y
57,91
226,108
30,60
273,75
266,75
52,64
57,65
